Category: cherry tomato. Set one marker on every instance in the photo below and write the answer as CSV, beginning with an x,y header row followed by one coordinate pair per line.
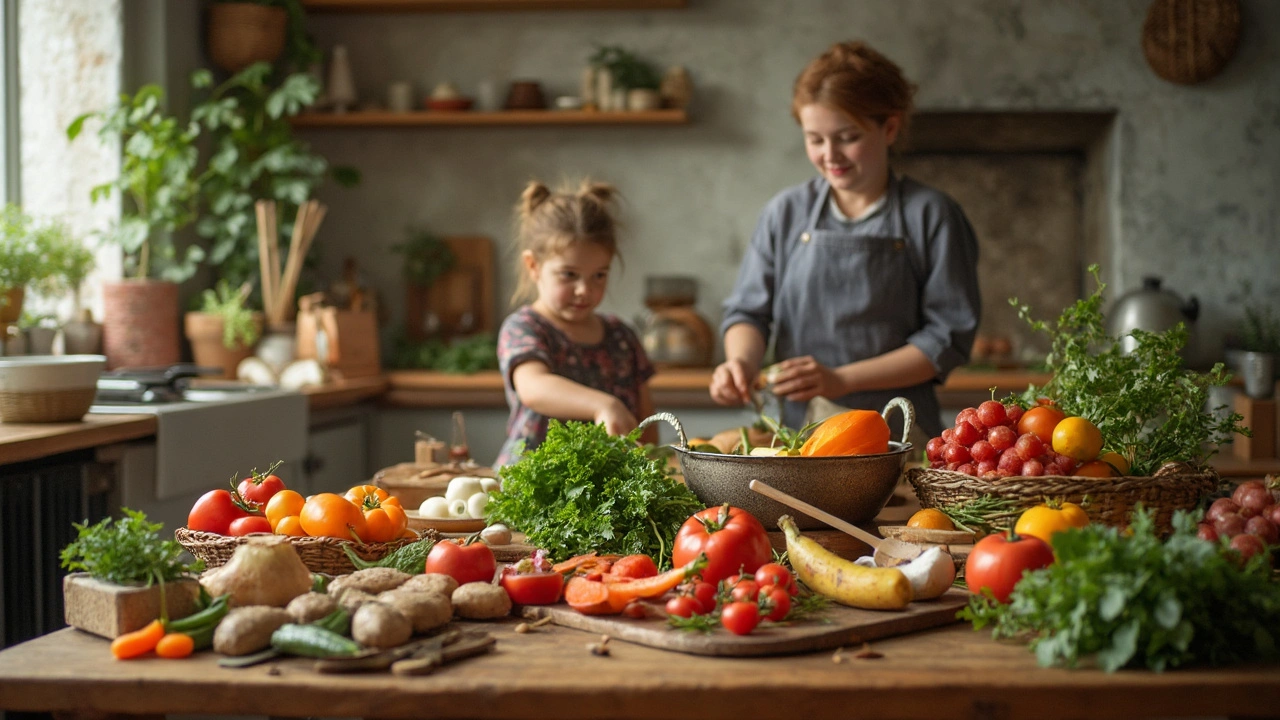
x,y
214,511
283,504
733,539
532,588
997,563
259,489
465,563
290,525
745,591
775,574
249,524
1040,421
705,594
740,618
776,600
683,606
635,566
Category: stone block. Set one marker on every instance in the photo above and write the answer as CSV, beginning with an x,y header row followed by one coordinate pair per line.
x,y
111,610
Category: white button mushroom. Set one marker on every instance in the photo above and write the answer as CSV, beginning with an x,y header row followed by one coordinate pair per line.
x,y
476,504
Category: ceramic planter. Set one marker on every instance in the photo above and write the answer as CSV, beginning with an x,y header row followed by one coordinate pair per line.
x,y
111,610
204,330
140,323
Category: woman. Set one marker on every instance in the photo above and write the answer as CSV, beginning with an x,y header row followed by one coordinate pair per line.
x,y
866,281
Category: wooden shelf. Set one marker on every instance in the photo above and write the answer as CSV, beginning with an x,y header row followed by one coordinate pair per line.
x,y
485,5
505,118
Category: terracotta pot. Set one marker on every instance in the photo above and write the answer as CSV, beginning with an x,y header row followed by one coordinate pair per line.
x,y
83,336
140,323
204,330
241,34
11,305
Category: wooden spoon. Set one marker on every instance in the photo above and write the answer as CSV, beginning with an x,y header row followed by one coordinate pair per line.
x,y
887,552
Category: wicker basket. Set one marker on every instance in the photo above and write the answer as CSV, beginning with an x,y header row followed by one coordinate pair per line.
x,y
44,406
243,33
1109,501
319,554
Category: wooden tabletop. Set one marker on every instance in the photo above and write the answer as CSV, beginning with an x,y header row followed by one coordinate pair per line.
x,y
950,672
28,441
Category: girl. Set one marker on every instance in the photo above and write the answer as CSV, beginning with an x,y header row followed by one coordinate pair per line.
x,y
866,281
559,358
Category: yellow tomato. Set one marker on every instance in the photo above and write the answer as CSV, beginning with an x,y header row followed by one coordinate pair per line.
x,y
282,505
1077,438
1043,521
931,519
1116,461
1094,468
290,525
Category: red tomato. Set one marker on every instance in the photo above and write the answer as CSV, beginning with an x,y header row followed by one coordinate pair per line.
x,y
250,524
683,606
532,588
258,489
705,594
464,563
745,590
635,566
740,618
214,511
775,574
733,539
997,563
776,600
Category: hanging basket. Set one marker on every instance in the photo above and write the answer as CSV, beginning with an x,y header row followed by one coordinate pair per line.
x,y
241,34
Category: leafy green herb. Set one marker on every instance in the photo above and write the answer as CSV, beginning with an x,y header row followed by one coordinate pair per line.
x,y
461,355
583,490
238,326
695,623
126,550
1149,408
985,513
411,558
1135,600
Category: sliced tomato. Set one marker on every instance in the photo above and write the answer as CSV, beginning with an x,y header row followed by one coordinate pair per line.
x,y
532,588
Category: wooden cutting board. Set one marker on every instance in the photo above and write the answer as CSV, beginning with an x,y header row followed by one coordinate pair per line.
x,y
837,626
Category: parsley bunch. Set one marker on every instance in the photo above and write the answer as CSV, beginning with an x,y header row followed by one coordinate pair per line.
x,y
127,550
1136,600
1149,408
583,490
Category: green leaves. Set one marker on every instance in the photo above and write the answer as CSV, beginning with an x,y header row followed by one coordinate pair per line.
x,y
1149,408
1135,600
583,490
238,327
127,550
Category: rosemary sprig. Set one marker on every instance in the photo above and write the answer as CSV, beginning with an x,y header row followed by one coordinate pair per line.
x,y
985,513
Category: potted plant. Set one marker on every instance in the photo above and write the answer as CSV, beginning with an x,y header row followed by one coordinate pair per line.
x,y
223,332
20,263
635,76
1259,358
158,183
70,263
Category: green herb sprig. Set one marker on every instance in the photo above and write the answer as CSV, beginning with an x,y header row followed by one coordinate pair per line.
x,y
1149,408
1136,600
583,490
985,513
126,550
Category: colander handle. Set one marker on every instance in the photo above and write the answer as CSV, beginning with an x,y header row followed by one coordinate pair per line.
x,y
908,414
684,439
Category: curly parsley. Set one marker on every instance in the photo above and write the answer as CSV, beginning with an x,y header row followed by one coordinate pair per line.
x,y
126,550
584,490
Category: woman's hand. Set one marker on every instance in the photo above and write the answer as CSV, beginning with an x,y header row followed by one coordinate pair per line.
x,y
617,419
731,383
803,378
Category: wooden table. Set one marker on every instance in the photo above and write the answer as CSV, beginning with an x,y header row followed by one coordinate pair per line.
x,y
952,672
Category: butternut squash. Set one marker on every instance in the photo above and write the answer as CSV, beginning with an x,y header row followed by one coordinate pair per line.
x,y
856,432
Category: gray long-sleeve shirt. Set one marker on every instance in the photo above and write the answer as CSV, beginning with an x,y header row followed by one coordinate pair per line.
x,y
844,292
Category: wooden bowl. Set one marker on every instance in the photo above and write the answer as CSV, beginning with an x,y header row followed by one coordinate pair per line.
x,y
444,525
449,104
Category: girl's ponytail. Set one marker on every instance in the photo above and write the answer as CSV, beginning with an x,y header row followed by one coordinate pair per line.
x,y
535,193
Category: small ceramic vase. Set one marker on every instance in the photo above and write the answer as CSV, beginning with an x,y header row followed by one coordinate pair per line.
x,y
342,83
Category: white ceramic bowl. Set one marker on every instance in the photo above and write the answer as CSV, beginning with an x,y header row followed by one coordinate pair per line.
x,y
48,388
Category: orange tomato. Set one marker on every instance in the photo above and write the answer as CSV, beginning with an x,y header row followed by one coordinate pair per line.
x,y
1095,468
282,505
1040,421
358,493
331,515
1077,438
1117,461
290,525
931,519
385,519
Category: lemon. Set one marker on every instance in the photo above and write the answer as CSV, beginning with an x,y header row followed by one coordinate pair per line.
x,y
1077,438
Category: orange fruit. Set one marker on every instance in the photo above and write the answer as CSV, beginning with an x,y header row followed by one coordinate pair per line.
x,y
1040,421
1117,461
1095,468
282,505
1077,438
931,519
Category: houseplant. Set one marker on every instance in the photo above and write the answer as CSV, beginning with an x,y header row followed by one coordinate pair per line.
x,y
1259,358
158,184
71,261
629,72
223,332
20,262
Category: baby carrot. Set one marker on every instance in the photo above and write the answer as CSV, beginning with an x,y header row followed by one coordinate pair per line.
x,y
138,642
175,645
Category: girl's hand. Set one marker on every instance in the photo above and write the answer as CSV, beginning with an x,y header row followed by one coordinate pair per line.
x,y
731,383
803,378
617,419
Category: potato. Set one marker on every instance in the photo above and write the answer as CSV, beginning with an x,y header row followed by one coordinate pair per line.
x,y
431,582
426,610
265,570
372,580
248,629
311,607
351,599
481,601
379,625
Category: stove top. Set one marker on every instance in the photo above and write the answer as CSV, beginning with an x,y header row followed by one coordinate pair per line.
x,y
153,389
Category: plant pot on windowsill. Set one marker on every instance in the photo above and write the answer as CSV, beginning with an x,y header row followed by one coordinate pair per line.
x,y
140,323
206,331
111,610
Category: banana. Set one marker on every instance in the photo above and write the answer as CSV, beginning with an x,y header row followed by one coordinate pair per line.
x,y
841,580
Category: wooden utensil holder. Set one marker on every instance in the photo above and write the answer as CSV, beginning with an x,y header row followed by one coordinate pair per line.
x,y
345,341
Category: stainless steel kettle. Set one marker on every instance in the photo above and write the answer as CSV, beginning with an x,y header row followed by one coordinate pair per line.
x,y
1151,308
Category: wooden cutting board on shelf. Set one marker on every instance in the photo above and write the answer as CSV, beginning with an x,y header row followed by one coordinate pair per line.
x,y
461,300
837,626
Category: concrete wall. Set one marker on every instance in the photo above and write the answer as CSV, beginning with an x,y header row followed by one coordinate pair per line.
x,y
1194,170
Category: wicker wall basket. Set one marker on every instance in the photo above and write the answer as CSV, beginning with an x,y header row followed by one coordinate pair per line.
x,y
1110,501
243,33
319,554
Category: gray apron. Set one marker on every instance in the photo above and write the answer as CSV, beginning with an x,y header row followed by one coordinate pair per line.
x,y
848,294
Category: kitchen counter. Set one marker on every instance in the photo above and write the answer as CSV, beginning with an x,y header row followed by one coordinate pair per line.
x,y
948,672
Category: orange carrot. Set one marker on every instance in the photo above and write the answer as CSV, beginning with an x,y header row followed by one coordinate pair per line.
x,y
175,646
621,593
589,597
584,564
138,642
